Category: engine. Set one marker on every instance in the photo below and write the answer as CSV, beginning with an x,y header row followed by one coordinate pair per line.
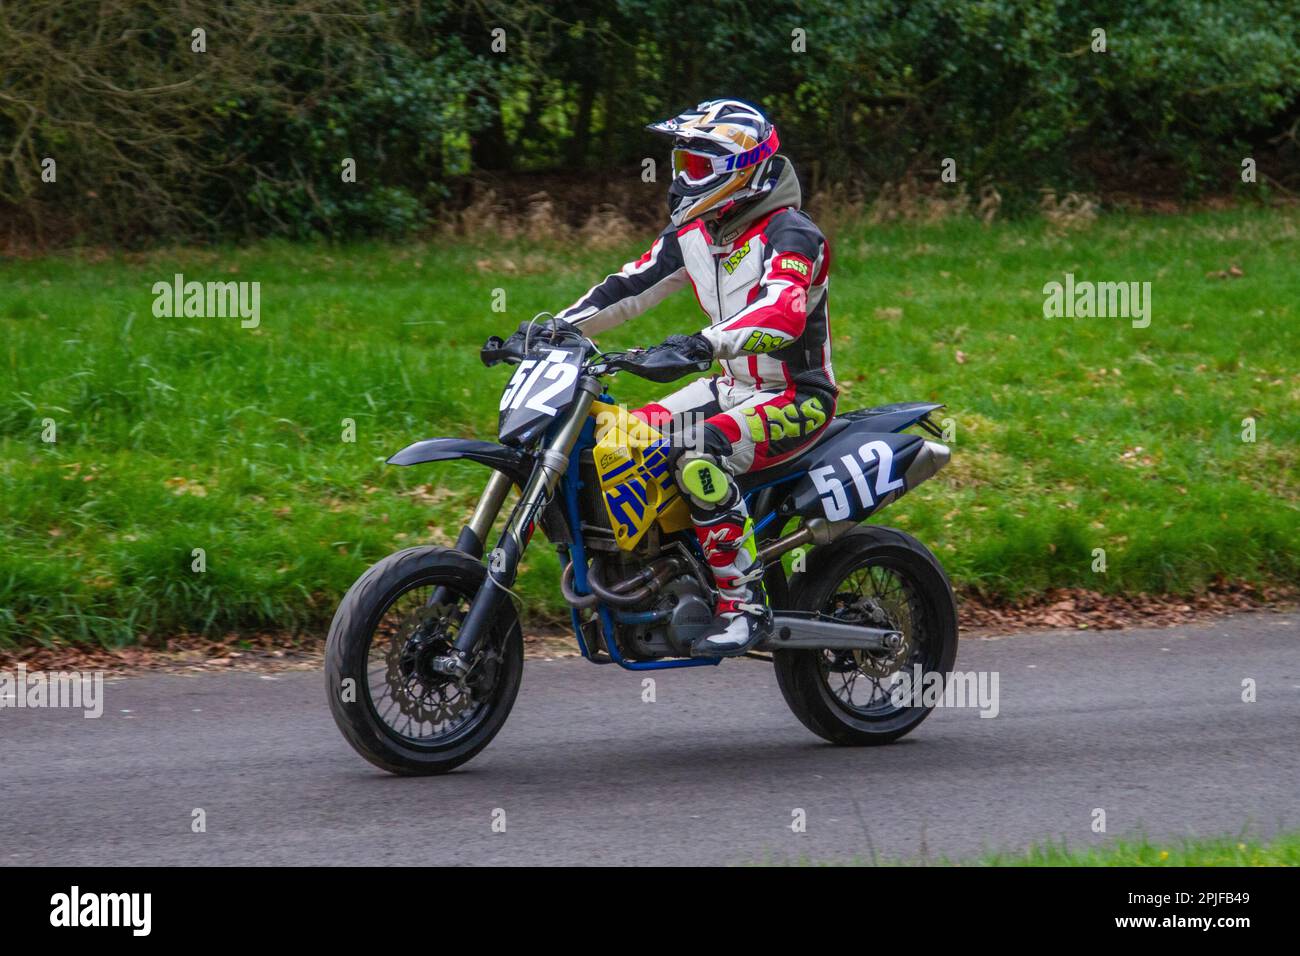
x,y
675,604
683,611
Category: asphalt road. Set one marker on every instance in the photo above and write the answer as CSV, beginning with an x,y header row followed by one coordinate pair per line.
x,y
1148,725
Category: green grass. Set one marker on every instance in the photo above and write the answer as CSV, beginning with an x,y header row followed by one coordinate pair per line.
x,y
1282,850
175,434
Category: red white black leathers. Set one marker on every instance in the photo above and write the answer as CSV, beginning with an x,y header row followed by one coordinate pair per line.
x,y
760,272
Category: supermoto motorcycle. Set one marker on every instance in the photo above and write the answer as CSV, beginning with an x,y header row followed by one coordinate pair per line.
x,y
425,653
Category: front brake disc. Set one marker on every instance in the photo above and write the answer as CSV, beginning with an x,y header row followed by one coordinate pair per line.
x,y
419,693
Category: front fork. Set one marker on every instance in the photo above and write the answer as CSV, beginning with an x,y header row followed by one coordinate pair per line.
x,y
503,562
475,532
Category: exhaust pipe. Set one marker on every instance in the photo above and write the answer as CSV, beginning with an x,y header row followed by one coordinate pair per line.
x,y
814,531
927,463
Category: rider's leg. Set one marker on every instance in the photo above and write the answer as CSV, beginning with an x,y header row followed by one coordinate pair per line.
x,y
764,431
676,411
741,617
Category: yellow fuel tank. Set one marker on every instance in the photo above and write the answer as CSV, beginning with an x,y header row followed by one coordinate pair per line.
x,y
636,480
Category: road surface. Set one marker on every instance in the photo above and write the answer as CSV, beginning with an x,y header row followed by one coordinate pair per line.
x,y
1149,726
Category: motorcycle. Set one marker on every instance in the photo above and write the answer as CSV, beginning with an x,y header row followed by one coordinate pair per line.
x,y
425,653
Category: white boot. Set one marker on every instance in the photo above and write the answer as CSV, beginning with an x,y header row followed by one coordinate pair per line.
x,y
742,617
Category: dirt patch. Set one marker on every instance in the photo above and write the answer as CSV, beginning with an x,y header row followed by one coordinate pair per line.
x,y
1057,609
1079,609
189,653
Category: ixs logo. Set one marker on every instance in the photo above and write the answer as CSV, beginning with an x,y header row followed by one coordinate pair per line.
x,y
38,689
208,300
776,422
764,342
794,265
733,260
73,909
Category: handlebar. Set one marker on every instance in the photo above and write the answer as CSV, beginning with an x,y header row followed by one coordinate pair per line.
x,y
656,365
494,352
530,335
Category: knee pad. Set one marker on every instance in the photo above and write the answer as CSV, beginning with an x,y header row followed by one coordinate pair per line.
x,y
700,470
704,479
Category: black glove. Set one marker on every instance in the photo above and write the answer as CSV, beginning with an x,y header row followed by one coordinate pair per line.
x,y
547,330
692,348
678,355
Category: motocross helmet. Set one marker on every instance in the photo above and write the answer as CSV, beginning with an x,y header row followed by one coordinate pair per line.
x,y
722,151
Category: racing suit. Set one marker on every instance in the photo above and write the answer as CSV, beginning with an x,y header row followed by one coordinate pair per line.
x,y
761,277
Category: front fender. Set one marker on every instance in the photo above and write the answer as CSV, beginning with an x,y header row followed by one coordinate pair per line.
x,y
511,462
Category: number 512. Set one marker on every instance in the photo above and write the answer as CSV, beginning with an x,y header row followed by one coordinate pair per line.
x,y
831,487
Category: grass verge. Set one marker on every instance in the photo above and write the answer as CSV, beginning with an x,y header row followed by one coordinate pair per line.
x,y
1281,850
1071,435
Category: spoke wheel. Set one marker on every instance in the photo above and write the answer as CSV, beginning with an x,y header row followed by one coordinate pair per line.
x,y
876,596
391,705
413,701
873,577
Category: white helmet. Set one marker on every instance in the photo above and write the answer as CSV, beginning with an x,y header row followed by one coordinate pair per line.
x,y
722,150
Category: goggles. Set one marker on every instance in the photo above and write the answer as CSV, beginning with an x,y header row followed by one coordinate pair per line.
x,y
696,165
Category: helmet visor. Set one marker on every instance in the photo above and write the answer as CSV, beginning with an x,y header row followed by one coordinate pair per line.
x,y
693,164
697,166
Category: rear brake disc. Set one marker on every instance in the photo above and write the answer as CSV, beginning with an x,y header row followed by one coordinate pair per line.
x,y
877,664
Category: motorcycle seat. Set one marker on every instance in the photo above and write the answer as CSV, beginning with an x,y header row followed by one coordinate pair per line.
x,y
792,466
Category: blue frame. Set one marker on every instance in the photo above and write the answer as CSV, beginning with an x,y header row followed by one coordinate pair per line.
x,y
570,486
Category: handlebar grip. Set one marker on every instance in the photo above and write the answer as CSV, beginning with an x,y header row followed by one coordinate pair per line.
x,y
491,353
659,366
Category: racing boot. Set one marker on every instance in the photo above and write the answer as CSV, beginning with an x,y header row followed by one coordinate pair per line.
x,y
726,534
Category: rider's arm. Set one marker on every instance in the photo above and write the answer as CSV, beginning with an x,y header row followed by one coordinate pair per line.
x,y
636,287
777,315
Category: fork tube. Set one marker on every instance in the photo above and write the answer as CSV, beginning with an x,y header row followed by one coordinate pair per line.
x,y
485,514
472,535
552,463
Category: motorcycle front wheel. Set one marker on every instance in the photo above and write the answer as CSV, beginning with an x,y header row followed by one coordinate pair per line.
x,y
390,705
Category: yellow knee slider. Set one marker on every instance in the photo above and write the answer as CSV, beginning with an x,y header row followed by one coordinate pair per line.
x,y
702,478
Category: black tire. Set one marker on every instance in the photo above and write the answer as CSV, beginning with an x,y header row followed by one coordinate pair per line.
x,y
931,616
348,655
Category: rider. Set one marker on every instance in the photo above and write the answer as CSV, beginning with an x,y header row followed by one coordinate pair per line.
x,y
759,269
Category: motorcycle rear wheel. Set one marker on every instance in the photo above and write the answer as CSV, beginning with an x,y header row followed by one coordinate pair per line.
x,y
879,577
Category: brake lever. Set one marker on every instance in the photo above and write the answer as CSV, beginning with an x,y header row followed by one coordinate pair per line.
x,y
494,352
